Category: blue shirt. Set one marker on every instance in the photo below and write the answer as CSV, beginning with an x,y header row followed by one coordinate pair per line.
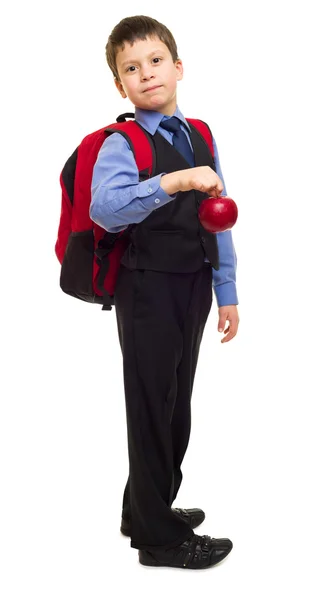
x,y
118,198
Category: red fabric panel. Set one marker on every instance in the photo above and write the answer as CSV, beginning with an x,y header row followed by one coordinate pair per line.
x,y
204,131
65,224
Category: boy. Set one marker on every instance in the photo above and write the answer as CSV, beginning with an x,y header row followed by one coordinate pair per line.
x,y
163,293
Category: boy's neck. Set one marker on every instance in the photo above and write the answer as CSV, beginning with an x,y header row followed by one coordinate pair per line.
x,y
161,111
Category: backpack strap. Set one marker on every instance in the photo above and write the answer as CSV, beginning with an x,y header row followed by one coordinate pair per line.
x,y
205,132
141,145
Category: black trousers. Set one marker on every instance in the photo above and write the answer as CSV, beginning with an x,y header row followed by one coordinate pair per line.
x,y
160,319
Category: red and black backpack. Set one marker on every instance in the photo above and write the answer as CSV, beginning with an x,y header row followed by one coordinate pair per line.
x,y
89,255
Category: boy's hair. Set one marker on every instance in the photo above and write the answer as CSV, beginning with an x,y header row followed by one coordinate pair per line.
x,y
135,28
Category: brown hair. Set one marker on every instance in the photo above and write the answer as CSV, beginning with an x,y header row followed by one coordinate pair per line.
x,y
131,29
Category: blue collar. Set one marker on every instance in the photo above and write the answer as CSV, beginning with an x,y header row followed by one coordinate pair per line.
x,y
151,119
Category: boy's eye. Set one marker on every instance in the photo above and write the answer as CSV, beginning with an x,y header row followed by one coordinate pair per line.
x,y
132,67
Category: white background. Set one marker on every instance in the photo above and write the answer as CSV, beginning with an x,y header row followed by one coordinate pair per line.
x,y
64,457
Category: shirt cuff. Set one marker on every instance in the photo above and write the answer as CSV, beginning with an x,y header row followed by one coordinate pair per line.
x,y
226,294
151,195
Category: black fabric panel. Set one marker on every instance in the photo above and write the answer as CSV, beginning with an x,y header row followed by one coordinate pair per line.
x,y
77,268
68,174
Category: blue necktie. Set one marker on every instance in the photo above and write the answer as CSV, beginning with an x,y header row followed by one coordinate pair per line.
x,y
180,141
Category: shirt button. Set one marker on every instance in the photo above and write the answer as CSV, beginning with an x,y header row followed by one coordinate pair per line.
x,y
149,189
157,201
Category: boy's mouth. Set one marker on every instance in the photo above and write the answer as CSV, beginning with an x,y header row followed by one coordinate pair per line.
x,y
152,88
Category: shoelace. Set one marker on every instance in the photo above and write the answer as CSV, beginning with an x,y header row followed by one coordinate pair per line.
x,y
199,548
181,511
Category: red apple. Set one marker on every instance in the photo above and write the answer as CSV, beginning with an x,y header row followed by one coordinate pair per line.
x,y
218,214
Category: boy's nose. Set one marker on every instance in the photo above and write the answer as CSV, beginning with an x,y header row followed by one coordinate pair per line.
x,y
146,74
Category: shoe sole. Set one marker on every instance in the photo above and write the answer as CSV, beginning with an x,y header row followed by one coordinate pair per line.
x,y
194,568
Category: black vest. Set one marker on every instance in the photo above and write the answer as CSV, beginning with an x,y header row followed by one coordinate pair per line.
x,y
172,238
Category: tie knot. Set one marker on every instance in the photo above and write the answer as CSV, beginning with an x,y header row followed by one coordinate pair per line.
x,y
172,124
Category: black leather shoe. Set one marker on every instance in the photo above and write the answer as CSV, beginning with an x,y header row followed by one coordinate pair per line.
x,y
192,516
198,552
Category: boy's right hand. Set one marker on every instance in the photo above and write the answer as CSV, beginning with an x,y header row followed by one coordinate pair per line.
x,y
203,179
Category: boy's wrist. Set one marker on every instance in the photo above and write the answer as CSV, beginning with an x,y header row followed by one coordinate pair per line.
x,y
170,183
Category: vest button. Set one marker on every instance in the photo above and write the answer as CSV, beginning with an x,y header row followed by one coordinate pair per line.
x,y
202,239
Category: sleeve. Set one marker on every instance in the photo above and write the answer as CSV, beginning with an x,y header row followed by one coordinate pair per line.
x,y
224,280
118,198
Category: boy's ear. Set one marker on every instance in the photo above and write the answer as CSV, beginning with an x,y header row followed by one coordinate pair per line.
x,y
179,69
120,88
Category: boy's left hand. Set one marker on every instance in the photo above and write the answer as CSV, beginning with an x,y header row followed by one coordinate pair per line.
x,y
230,314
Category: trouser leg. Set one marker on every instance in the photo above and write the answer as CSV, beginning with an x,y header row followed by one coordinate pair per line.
x,y
198,313
151,309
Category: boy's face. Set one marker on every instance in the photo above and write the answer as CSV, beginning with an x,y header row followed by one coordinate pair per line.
x,y
149,64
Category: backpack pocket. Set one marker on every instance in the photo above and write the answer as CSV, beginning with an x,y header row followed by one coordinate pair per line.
x,y
77,267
